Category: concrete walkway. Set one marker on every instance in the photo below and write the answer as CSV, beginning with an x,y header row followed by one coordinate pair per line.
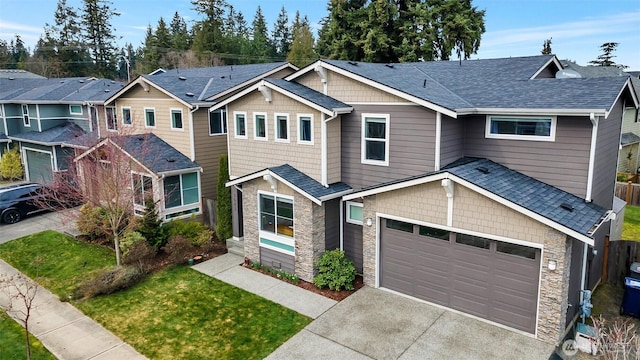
x,y
65,331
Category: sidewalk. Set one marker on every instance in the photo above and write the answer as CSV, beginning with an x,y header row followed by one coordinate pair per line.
x,y
226,268
66,332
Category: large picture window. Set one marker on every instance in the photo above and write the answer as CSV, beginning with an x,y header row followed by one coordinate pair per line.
x,y
521,128
375,139
276,215
180,190
260,131
217,122
112,119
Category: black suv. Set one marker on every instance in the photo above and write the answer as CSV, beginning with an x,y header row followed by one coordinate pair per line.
x,y
19,200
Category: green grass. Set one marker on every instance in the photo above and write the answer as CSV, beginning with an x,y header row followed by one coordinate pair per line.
x,y
631,227
12,342
176,313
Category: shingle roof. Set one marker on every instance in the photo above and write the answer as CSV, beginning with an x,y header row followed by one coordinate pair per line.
x,y
309,94
64,90
22,74
154,153
53,136
593,71
629,138
204,83
306,183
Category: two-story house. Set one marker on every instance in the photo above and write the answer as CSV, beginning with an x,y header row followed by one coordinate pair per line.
x,y
40,115
484,186
175,106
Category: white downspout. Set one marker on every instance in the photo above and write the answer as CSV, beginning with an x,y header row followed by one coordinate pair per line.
x,y
341,224
191,132
324,161
584,270
592,156
438,140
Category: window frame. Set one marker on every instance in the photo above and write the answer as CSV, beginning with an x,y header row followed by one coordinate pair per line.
x,y
275,237
71,112
348,211
223,125
137,176
149,110
128,109
26,118
363,139
276,127
235,125
255,126
173,111
490,135
300,140
114,113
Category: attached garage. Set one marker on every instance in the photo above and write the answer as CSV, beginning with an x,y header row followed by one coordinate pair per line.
x,y
38,166
486,278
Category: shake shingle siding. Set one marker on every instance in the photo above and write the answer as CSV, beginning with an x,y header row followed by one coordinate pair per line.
x,y
451,140
604,175
208,151
412,145
563,163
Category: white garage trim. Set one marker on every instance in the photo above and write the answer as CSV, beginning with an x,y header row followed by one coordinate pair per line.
x,y
26,165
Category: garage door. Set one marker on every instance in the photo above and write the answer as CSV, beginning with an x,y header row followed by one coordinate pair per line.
x,y
38,166
493,280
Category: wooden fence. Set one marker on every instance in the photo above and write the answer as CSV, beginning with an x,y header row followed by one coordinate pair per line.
x,y
620,255
628,192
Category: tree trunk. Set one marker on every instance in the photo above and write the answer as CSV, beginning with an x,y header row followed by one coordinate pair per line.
x,y
116,242
26,334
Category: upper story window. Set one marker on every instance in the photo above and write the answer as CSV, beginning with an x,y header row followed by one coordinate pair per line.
x,y
126,116
260,128
305,129
26,120
150,117
176,119
240,126
112,120
375,139
521,128
282,127
218,122
75,109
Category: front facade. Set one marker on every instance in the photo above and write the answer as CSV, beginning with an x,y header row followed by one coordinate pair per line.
x,y
408,156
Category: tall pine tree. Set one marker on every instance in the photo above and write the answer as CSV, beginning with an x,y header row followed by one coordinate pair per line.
x,y
261,46
99,35
281,35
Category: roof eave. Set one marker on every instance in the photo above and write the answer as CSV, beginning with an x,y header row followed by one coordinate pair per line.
x,y
532,111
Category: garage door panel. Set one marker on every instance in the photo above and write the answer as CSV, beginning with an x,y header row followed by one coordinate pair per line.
x,y
497,286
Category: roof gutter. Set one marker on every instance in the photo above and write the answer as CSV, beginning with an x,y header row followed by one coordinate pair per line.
x,y
521,111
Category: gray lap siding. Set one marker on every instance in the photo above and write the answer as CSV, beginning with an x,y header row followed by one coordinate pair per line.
x,y
451,140
411,145
607,146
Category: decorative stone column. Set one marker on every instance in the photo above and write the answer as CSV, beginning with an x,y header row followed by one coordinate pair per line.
x,y
369,241
554,287
250,217
309,236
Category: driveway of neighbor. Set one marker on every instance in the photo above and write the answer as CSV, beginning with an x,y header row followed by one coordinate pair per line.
x,y
376,324
57,220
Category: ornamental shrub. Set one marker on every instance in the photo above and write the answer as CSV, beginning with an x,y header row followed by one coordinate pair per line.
x,y
335,271
11,165
151,225
178,248
195,232
92,222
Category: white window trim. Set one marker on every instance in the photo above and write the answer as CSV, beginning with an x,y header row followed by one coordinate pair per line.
x,y
122,109
171,111
133,188
28,122
225,120
551,137
71,112
235,125
299,136
348,217
363,152
106,118
275,128
182,204
290,241
155,119
266,126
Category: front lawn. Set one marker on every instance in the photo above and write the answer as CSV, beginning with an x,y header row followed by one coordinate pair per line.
x,y
12,341
631,226
176,313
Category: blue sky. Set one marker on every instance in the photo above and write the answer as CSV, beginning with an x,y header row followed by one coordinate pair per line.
x,y
514,27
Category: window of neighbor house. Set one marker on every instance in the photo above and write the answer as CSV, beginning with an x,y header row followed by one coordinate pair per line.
x,y
75,109
181,190
305,129
240,125
282,127
354,213
149,117
375,139
218,122
276,222
260,132
112,120
126,116
521,128
176,119
26,120
143,188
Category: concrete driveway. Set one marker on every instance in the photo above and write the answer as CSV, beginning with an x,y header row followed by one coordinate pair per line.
x,y
376,324
62,221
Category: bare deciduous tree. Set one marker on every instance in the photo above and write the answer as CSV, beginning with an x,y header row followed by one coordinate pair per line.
x,y
616,339
21,293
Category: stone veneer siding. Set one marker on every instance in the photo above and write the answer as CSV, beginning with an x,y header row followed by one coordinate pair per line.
x,y
369,241
309,219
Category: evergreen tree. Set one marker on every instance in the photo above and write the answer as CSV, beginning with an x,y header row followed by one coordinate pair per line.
x,y
546,47
342,30
302,52
65,44
163,36
237,34
606,58
223,205
180,39
150,56
19,53
5,55
261,46
99,35
207,33
377,39
281,35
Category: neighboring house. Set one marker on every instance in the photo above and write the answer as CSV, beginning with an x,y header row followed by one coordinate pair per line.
x,y
19,74
175,105
40,115
156,170
485,186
